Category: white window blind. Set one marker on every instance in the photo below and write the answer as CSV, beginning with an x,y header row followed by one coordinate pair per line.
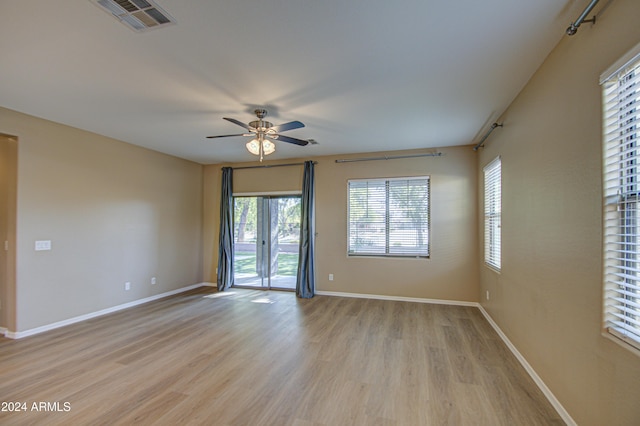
x,y
621,105
389,217
492,213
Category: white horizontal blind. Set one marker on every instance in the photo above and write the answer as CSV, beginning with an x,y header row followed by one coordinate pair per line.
x,y
493,213
389,217
621,102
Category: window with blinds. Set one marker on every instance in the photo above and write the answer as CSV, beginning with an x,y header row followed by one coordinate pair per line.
x,y
621,119
389,217
492,213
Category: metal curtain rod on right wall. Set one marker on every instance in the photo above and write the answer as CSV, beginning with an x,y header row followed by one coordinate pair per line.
x,y
573,28
484,138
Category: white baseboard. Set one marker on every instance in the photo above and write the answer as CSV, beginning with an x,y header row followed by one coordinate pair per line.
x,y
397,298
42,329
543,387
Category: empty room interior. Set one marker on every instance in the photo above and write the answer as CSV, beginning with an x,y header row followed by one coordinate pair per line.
x,y
320,213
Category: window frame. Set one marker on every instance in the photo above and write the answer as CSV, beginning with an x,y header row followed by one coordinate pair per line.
x,y
387,254
493,214
621,201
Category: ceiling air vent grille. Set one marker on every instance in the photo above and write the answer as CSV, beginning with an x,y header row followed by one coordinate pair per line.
x,y
139,15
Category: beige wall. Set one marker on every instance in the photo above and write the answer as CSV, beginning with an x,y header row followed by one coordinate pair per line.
x,y
114,213
548,297
450,274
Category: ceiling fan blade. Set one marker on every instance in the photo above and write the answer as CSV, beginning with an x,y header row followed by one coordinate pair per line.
x,y
287,126
289,139
239,123
228,136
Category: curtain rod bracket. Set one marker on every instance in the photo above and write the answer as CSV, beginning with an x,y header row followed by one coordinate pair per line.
x,y
573,28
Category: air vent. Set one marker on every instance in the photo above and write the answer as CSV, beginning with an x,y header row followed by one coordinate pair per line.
x,y
139,15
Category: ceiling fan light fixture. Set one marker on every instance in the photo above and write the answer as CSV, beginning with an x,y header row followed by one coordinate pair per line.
x,y
253,146
268,147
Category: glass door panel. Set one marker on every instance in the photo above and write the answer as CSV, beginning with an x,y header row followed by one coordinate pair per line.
x,y
266,241
285,241
247,239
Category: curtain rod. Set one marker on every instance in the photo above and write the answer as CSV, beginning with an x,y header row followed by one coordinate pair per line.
x,y
394,157
491,129
268,166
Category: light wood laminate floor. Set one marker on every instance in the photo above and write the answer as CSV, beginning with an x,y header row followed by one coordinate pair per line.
x,y
249,357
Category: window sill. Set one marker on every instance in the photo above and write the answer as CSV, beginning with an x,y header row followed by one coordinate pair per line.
x,y
621,340
493,268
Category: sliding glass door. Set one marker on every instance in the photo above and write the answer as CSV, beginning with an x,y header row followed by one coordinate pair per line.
x,y
266,241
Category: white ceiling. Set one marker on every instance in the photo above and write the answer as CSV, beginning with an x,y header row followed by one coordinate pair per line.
x,y
364,76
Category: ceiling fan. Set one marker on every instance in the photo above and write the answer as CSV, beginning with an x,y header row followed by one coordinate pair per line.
x,y
264,133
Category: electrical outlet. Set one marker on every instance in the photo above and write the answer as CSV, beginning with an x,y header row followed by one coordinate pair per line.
x,y
153,280
43,245
330,277
127,286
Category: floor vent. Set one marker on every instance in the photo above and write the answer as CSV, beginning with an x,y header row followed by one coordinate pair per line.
x,y
139,15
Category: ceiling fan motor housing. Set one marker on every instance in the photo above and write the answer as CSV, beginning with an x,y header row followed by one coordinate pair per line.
x,y
260,125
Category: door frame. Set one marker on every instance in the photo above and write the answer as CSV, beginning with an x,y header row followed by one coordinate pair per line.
x,y
8,233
